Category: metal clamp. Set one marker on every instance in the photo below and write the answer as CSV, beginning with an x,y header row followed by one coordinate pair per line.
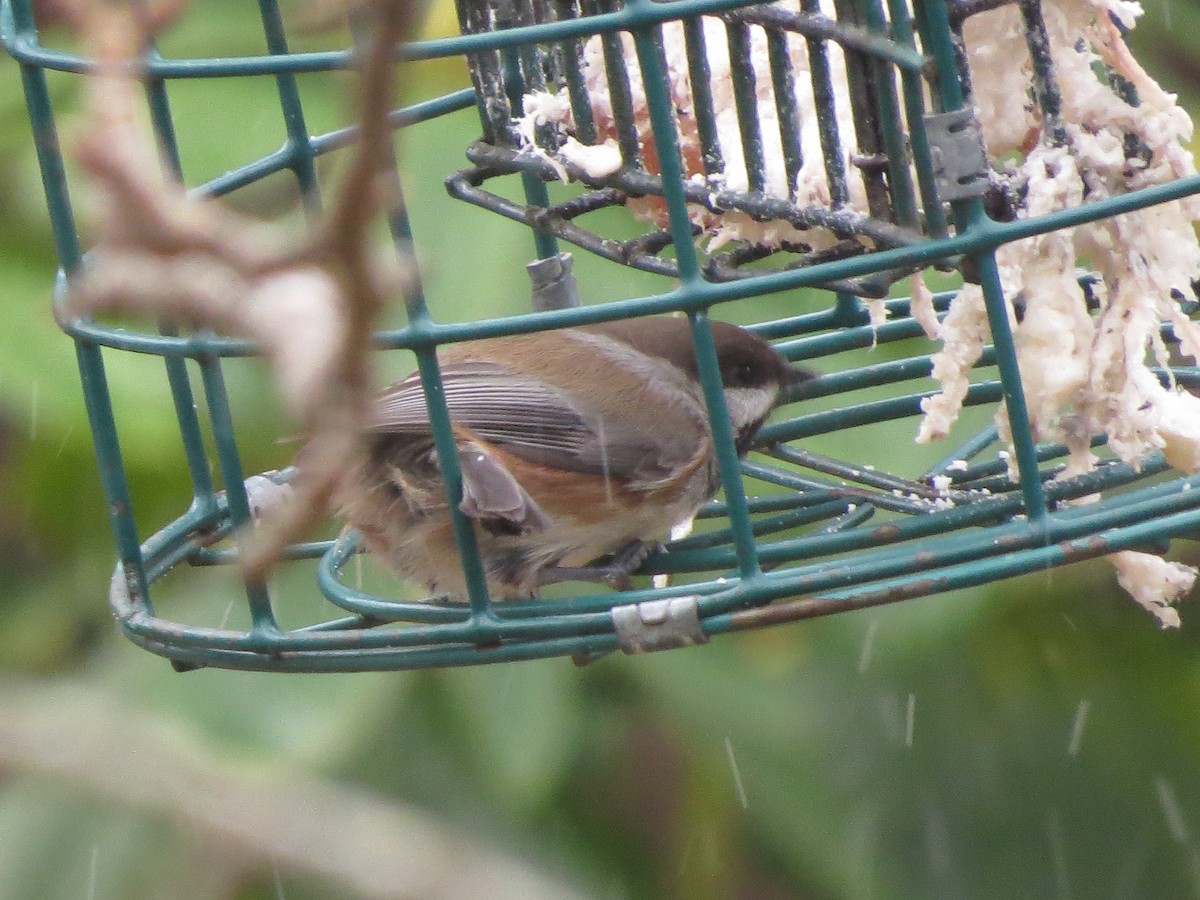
x,y
658,625
553,283
267,492
960,166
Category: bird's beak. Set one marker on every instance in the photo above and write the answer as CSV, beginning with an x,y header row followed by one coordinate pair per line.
x,y
796,375
789,389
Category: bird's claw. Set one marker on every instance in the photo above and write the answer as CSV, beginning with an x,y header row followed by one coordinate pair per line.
x,y
616,571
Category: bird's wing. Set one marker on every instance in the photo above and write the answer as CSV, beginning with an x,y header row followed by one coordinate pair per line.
x,y
492,496
536,422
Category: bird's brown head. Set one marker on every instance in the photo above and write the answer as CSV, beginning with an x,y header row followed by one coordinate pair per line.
x,y
753,373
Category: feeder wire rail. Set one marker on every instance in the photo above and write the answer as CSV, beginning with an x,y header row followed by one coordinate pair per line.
x,y
823,536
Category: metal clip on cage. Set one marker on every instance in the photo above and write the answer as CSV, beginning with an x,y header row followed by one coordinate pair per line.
x,y
797,545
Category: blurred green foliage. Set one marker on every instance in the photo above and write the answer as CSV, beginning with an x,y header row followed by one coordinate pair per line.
x,y
1037,738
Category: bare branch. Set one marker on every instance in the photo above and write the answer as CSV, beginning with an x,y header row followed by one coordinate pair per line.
x,y
310,305
92,740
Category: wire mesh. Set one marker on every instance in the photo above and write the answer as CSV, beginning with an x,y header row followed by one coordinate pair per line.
x,y
795,534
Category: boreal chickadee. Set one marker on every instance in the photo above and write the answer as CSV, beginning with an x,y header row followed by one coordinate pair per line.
x,y
578,449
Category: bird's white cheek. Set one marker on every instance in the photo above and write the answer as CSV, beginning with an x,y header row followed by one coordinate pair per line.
x,y
748,405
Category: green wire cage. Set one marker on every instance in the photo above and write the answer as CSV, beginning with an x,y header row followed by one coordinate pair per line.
x,y
908,187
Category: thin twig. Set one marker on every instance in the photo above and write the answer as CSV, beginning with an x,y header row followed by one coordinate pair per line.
x,y
310,305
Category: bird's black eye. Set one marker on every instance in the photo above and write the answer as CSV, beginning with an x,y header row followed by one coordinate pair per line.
x,y
743,375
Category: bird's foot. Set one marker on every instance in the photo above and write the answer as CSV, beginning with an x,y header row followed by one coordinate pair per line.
x,y
615,570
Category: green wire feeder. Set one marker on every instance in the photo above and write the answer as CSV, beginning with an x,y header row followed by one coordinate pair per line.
x,y
907,186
